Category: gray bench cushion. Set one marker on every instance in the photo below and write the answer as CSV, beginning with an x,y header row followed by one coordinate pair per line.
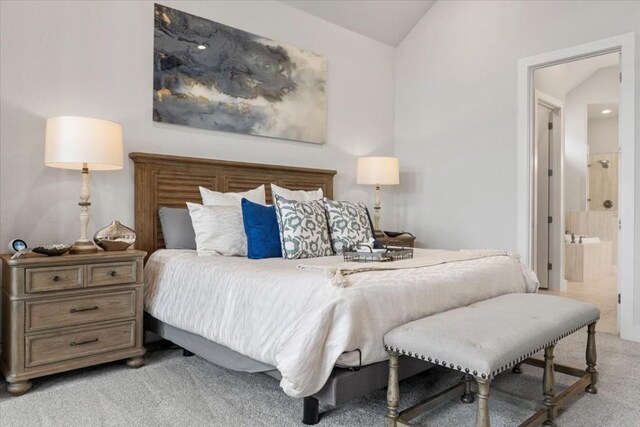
x,y
486,338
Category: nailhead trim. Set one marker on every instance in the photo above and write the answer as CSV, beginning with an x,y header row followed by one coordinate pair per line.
x,y
499,370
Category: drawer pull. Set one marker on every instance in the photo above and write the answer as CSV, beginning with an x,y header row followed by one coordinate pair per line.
x,y
56,278
73,344
80,310
113,274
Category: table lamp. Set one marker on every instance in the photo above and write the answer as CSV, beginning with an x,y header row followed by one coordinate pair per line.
x,y
378,171
83,143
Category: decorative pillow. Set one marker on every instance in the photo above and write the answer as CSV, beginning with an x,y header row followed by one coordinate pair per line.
x,y
348,224
303,228
216,198
297,195
261,228
219,230
176,228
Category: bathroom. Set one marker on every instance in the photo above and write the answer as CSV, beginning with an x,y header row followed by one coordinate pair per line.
x,y
595,225
577,197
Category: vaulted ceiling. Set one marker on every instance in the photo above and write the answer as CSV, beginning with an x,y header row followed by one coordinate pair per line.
x,y
558,80
387,21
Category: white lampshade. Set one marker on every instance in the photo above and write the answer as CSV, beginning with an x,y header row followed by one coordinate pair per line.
x,y
378,171
73,141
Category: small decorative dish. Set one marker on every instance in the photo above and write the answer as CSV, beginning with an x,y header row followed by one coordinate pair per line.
x,y
52,250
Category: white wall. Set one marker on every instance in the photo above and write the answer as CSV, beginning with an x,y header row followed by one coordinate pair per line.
x,y
602,87
456,109
95,59
602,135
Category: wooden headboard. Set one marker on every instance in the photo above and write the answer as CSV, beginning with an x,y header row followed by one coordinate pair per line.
x,y
163,180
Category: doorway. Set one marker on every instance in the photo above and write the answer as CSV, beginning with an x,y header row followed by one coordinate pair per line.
x,y
628,277
576,177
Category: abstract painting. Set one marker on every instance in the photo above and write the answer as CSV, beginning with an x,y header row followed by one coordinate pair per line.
x,y
209,75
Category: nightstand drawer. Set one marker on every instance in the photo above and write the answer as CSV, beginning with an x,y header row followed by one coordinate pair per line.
x,y
111,273
53,278
56,347
41,315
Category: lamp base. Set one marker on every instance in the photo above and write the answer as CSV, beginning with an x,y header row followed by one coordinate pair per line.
x,y
83,247
377,234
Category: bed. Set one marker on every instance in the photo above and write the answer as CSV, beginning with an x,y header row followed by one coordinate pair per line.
x,y
324,343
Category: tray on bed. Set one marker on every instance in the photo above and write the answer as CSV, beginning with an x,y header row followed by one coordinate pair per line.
x,y
386,255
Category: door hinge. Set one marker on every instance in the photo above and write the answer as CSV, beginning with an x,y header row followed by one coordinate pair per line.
x,y
619,224
620,76
550,126
550,172
618,298
549,266
550,220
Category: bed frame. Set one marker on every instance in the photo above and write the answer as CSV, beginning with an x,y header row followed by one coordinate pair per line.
x,y
164,180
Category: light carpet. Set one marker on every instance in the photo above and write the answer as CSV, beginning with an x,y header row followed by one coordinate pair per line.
x,y
171,390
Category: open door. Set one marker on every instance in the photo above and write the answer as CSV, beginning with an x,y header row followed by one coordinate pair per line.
x,y
549,221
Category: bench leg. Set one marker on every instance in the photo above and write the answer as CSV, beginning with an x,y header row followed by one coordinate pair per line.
x,y
517,369
548,385
482,417
467,396
393,391
591,358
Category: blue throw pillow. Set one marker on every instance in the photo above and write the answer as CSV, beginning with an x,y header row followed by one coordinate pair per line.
x,y
261,228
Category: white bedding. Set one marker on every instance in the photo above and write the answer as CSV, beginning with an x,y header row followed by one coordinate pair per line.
x,y
297,321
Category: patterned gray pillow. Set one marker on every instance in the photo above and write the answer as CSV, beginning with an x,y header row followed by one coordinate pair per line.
x,y
303,228
348,224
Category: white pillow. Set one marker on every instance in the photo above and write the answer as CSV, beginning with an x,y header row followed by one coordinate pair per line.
x,y
296,195
216,198
219,230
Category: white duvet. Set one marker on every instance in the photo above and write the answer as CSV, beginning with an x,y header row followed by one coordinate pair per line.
x,y
297,321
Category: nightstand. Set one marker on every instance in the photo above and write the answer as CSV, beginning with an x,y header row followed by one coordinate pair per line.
x,y
403,239
71,311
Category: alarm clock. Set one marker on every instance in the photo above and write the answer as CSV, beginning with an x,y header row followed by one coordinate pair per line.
x,y
17,245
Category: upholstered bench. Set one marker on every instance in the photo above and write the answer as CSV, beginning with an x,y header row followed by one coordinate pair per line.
x,y
484,339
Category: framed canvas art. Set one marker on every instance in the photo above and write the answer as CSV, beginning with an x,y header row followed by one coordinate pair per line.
x,y
209,75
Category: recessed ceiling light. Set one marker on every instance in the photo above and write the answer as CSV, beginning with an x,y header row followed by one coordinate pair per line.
x,y
606,111
201,47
